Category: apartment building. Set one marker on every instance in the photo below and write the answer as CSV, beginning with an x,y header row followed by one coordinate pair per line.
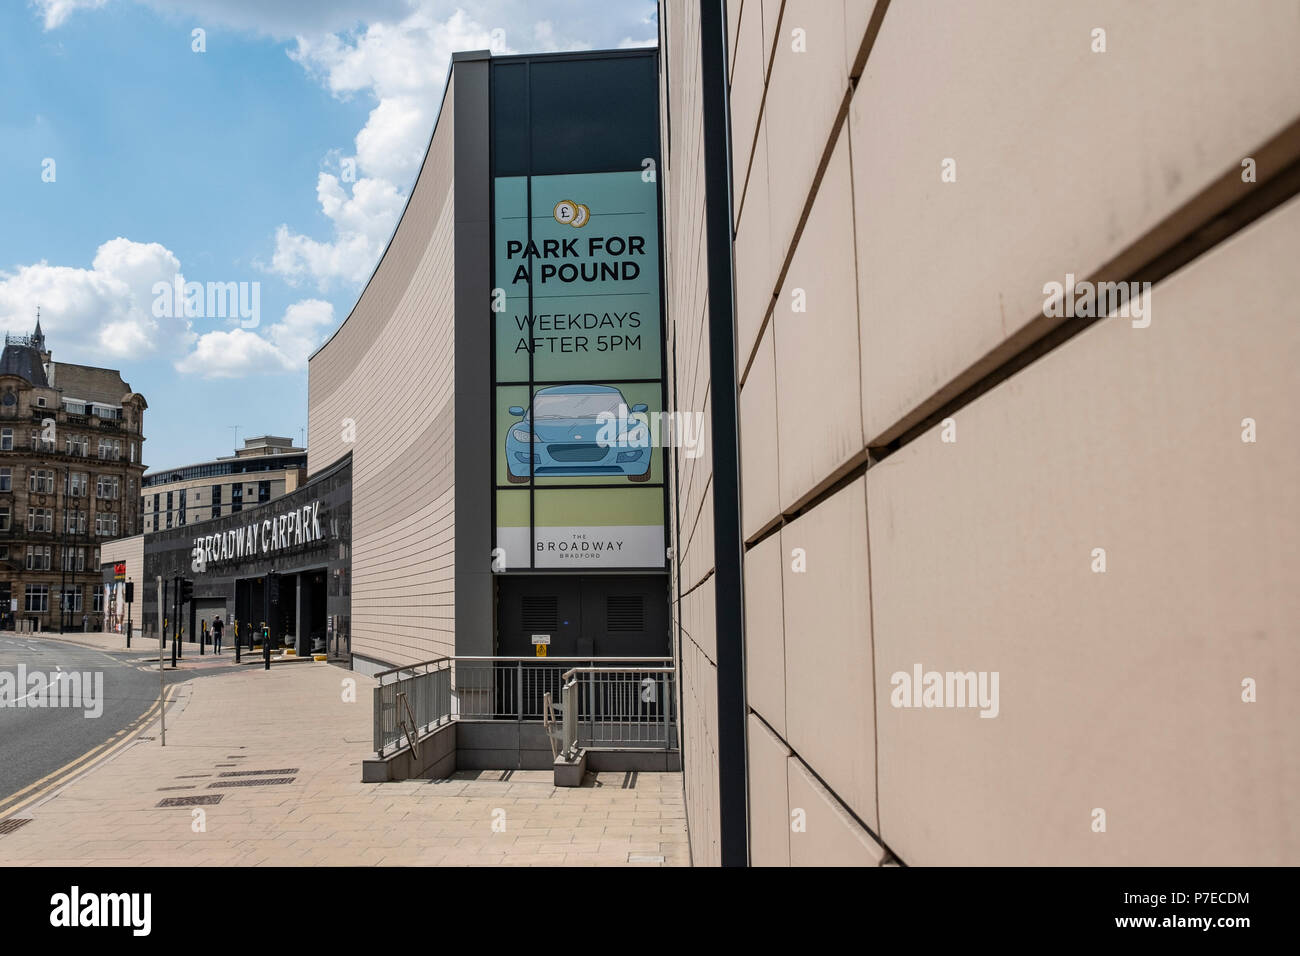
x,y
71,439
265,468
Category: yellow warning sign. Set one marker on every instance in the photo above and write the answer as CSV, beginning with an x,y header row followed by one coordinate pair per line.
x,y
541,650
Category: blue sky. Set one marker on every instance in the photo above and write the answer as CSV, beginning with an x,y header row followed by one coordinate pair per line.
x,y
280,155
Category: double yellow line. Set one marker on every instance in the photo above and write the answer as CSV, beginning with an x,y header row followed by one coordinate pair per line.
x,y
91,758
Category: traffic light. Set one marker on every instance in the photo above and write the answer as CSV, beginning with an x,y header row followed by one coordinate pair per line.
x,y
130,592
187,590
273,589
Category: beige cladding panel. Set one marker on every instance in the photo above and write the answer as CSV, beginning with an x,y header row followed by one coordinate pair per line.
x,y
808,86
822,831
765,633
769,805
401,436
1118,691
818,384
828,665
1015,95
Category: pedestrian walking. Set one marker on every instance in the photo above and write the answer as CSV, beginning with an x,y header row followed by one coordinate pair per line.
x,y
216,635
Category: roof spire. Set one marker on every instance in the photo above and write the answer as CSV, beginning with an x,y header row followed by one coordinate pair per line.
x,y
38,338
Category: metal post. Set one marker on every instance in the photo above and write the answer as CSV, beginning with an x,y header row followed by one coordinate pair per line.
x,y
203,637
63,548
519,692
128,622
162,636
732,779
176,599
236,624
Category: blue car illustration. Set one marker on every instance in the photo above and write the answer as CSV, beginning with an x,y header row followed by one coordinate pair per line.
x,y
578,431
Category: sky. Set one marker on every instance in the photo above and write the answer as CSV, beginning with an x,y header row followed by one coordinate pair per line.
x,y
261,149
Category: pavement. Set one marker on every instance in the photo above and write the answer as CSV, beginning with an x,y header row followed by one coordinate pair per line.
x,y
273,760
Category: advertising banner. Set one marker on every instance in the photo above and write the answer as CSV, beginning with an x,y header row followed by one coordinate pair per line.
x,y
578,352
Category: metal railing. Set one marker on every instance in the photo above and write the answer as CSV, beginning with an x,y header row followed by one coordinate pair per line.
x,y
620,701
620,707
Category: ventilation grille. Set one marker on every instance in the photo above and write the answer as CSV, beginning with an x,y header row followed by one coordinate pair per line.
x,y
198,800
624,612
540,612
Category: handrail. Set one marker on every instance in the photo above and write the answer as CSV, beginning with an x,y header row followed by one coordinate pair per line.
x,y
491,657
414,698
616,670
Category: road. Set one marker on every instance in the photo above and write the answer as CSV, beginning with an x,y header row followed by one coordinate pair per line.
x,y
35,742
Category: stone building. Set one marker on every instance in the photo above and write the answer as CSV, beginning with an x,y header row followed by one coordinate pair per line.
x,y
70,468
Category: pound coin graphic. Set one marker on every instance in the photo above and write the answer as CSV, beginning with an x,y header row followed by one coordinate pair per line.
x,y
570,213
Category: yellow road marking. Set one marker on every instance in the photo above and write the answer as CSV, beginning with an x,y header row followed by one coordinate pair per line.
x,y
11,804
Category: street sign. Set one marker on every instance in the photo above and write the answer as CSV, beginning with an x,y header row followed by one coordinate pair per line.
x,y
541,638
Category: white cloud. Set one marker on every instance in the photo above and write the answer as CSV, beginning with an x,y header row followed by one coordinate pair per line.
x,y
363,221
281,19
104,312
56,12
237,353
403,66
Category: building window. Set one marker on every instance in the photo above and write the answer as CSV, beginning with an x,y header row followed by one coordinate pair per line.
x,y
77,484
37,597
41,444
38,557
6,479
40,519
41,480
4,517
72,599
41,402
76,408
74,559
105,525
6,439
77,445
106,486
4,552
263,491
74,522
99,598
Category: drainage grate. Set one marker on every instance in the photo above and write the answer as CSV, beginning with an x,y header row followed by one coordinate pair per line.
x,y
13,823
197,800
184,786
225,765
260,782
192,776
257,773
